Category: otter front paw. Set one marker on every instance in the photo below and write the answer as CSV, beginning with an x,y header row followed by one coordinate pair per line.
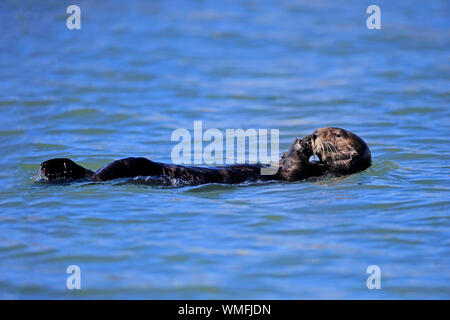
x,y
300,150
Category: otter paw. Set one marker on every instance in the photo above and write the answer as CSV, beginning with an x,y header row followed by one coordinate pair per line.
x,y
306,146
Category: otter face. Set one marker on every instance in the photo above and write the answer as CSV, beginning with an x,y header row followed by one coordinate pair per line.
x,y
62,169
334,145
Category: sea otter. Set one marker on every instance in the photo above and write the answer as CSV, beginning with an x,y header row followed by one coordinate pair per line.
x,y
340,152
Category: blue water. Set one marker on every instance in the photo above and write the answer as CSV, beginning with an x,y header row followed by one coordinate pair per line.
x,y
136,71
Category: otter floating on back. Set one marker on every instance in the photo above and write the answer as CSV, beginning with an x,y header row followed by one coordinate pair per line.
x,y
340,152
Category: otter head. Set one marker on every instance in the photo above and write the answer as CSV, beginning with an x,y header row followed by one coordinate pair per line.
x,y
342,150
63,169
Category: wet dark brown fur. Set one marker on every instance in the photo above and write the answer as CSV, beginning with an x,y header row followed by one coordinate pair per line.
x,y
340,152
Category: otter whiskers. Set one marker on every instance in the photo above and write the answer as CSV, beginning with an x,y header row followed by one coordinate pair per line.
x,y
324,148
